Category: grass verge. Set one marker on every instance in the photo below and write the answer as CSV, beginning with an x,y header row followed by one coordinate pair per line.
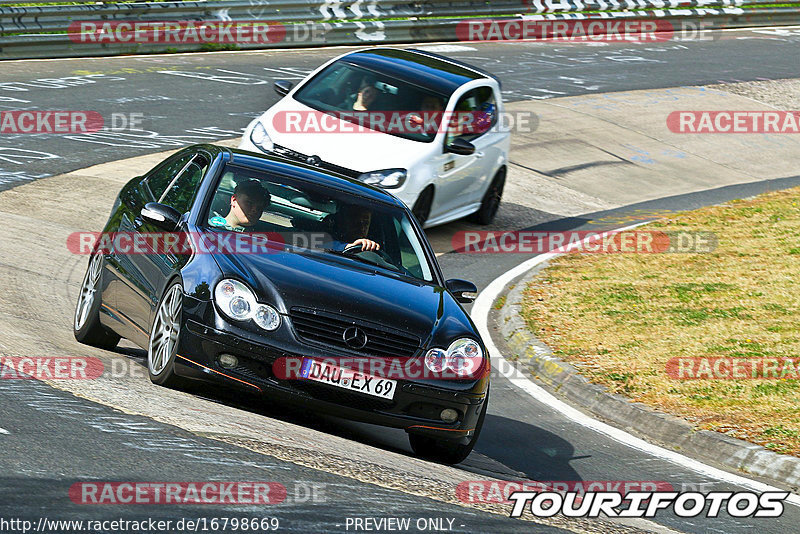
x,y
620,318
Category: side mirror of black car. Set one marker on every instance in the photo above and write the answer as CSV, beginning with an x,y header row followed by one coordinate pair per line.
x,y
282,87
464,292
160,215
460,147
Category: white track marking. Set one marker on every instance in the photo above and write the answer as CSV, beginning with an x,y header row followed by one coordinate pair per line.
x,y
286,73
447,48
480,315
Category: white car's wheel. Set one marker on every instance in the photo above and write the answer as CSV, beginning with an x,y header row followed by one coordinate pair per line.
x,y
491,199
422,207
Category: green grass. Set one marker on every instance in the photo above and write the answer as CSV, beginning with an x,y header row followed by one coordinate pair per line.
x,y
620,318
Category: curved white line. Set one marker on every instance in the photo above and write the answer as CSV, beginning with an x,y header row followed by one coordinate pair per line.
x,y
480,315
3,431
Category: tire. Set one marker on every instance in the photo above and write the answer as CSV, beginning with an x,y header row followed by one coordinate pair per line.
x,y
86,322
448,452
164,336
491,199
422,207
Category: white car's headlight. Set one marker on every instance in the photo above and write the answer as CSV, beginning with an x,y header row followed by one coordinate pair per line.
x,y
238,302
464,357
260,138
387,178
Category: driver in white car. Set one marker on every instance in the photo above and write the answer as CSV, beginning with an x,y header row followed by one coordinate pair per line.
x,y
350,223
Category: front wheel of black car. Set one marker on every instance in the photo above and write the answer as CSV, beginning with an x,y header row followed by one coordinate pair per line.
x,y
448,452
164,335
86,324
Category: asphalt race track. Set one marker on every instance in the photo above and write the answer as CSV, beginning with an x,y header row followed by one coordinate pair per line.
x,y
216,95
54,437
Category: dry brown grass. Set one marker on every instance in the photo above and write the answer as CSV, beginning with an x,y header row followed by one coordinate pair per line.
x,y
620,317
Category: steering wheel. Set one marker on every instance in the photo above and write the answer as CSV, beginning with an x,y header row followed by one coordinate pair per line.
x,y
383,256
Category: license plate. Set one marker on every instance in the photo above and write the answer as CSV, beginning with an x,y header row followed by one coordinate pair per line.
x,y
341,377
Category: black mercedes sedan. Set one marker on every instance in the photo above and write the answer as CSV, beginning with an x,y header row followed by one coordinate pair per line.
x,y
289,281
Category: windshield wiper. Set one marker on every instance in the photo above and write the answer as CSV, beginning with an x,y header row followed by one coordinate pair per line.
x,y
387,266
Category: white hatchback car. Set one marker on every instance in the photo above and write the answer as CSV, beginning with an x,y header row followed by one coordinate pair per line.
x,y
422,126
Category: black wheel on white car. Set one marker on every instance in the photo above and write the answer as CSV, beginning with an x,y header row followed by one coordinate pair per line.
x,y
422,207
164,336
491,199
86,323
448,452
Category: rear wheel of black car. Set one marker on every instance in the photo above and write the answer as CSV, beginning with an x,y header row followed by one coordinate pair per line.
x,y
422,207
86,324
448,452
164,336
491,199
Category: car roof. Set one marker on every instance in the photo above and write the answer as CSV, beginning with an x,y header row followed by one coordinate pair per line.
x,y
437,73
277,164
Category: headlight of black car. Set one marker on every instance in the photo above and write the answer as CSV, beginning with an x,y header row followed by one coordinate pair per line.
x,y
238,302
464,357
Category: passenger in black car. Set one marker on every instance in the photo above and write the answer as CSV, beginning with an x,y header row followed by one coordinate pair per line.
x,y
248,202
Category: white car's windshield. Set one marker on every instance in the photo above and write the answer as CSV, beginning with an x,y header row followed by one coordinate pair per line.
x,y
375,101
310,217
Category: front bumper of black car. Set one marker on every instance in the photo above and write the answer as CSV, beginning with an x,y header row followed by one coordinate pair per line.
x,y
417,405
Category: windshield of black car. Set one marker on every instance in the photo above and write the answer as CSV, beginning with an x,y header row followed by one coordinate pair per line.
x,y
375,101
310,217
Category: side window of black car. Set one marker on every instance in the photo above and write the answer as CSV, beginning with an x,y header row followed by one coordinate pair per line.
x,y
162,176
180,193
408,258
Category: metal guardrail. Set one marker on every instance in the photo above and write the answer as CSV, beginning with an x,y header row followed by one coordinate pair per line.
x,y
28,31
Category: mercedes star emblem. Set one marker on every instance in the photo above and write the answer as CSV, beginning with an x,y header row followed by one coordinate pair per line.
x,y
355,338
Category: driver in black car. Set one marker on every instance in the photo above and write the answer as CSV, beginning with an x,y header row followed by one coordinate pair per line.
x,y
351,224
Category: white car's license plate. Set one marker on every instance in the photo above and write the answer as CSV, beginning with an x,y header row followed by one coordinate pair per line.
x,y
349,379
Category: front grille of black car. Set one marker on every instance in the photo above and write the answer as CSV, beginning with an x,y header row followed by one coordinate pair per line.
x,y
303,158
328,328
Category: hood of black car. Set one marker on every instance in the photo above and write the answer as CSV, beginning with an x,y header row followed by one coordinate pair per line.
x,y
345,287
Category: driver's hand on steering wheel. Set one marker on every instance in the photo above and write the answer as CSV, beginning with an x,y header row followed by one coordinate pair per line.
x,y
366,244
